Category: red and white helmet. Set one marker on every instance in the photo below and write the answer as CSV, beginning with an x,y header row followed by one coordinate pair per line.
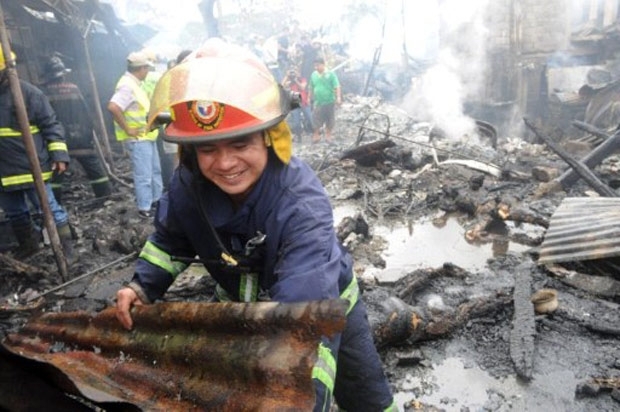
x,y
219,91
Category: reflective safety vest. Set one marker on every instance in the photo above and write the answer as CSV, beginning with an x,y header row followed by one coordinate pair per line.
x,y
27,178
135,118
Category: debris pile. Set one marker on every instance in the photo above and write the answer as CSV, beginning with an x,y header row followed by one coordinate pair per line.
x,y
386,169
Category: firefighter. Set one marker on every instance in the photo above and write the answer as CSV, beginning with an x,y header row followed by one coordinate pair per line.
x,y
16,179
258,217
72,111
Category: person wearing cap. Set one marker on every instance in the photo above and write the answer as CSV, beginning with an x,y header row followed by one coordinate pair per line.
x,y
17,186
74,114
129,106
257,217
324,93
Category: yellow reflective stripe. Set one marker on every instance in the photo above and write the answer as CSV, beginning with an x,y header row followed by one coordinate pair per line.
x,y
22,179
133,121
324,369
351,293
248,287
392,408
57,146
7,131
134,114
159,258
100,180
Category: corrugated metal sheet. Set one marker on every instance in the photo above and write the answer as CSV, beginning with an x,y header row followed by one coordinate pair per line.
x,y
186,356
582,229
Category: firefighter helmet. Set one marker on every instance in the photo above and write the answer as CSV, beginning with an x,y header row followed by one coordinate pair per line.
x,y
54,68
221,91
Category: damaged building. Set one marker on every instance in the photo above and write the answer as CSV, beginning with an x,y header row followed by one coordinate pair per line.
x,y
547,61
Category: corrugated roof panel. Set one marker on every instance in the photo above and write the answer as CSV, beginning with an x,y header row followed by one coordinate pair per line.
x,y
187,356
582,229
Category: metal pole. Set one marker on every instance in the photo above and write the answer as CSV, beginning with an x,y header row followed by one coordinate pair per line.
x,y
105,164
35,166
92,272
96,102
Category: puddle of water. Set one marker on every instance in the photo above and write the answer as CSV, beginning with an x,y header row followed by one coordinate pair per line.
x,y
453,387
447,386
428,245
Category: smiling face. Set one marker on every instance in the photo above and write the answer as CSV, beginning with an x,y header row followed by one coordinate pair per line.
x,y
234,165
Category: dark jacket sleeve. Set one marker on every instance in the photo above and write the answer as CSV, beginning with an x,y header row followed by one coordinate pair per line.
x,y
155,270
42,115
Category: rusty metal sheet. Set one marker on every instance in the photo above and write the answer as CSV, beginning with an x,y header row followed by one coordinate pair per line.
x,y
582,229
187,356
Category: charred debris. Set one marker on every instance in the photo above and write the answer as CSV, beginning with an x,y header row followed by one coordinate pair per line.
x,y
511,193
552,190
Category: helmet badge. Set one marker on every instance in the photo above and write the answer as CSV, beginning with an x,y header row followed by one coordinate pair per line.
x,y
206,114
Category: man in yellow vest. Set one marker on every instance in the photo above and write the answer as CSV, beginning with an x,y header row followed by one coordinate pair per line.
x,y
129,107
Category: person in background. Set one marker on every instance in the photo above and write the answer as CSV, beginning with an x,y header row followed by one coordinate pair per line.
x,y
309,51
16,179
129,106
74,114
166,151
258,217
324,94
301,118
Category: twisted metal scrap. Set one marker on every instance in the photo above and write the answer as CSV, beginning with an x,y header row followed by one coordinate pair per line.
x,y
186,356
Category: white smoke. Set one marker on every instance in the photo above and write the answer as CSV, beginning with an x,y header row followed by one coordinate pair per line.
x,y
438,95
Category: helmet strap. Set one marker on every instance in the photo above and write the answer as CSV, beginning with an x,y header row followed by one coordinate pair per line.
x,y
190,161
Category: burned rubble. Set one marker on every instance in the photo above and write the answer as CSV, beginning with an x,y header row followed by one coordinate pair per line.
x,y
386,169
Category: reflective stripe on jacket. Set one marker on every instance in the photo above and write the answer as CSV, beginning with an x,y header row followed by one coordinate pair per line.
x,y
136,113
47,135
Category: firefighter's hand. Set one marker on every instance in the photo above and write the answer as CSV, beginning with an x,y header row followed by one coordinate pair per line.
x,y
125,299
59,167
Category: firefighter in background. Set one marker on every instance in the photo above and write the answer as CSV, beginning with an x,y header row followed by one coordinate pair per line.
x,y
258,217
72,111
16,179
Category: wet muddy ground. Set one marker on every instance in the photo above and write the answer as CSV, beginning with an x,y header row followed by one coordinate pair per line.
x,y
422,236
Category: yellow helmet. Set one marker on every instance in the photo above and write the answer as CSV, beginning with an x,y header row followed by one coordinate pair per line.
x,y
221,91
2,61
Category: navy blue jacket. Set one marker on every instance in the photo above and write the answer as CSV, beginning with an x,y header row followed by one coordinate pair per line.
x,y
47,134
302,258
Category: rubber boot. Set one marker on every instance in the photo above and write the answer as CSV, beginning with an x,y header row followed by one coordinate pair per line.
x,y
102,189
66,240
28,239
